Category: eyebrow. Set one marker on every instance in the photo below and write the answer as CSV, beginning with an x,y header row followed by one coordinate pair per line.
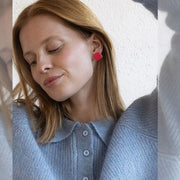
x,y
43,42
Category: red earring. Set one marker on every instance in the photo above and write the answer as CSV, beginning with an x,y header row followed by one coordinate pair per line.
x,y
97,56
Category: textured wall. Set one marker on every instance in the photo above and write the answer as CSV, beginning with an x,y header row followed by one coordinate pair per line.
x,y
133,30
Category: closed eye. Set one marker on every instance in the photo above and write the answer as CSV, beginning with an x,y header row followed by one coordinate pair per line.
x,y
32,63
54,50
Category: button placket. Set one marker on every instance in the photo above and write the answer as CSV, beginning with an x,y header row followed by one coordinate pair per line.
x,y
85,144
86,151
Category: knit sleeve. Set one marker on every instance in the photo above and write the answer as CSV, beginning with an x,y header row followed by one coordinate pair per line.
x,y
132,151
28,161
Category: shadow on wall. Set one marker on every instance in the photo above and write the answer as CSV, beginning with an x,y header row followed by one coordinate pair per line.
x,y
150,5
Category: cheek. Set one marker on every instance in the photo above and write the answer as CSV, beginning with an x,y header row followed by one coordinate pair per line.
x,y
35,77
77,59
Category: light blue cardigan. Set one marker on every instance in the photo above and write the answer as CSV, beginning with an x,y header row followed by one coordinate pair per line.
x,y
131,153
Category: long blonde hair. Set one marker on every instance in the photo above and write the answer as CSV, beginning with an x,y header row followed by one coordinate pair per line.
x,y
76,15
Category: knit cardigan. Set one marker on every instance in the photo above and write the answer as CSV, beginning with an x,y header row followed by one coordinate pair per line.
x,y
131,153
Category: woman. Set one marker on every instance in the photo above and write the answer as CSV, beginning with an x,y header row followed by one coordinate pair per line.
x,y
67,120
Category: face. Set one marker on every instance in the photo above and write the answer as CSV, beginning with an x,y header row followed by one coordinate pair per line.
x,y
59,57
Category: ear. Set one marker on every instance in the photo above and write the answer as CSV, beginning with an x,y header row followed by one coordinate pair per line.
x,y
96,44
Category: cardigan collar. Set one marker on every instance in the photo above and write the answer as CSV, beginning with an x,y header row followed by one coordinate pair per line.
x,y
102,127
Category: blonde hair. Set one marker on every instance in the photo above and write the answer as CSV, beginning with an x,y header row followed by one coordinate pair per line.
x,y
76,15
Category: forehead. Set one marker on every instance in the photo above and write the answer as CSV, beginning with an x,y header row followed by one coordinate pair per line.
x,y
42,24
41,27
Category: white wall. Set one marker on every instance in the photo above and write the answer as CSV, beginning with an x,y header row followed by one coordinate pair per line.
x,y
133,30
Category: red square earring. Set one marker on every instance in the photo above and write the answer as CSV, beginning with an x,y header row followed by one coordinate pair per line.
x,y
97,56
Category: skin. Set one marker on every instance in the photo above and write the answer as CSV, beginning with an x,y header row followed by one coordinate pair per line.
x,y
55,50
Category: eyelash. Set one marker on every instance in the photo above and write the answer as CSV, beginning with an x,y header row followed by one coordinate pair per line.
x,y
54,50
33,62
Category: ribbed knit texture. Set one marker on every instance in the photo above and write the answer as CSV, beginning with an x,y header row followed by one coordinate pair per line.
x,y
132,151
76,152
126,152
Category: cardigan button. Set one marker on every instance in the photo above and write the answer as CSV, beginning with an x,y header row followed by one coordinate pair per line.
x,y
85,178
86,153
85,133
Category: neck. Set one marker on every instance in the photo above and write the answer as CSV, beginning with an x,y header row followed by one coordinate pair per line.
x,y
84,108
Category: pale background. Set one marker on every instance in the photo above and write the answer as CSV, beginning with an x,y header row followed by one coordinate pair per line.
x,y
134,32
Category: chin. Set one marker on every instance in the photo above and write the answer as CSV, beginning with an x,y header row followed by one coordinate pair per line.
x,y
59,98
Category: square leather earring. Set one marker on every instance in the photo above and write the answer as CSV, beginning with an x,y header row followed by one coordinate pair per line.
x,y
97,56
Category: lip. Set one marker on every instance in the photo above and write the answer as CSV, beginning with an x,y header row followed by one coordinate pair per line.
x,y
50,81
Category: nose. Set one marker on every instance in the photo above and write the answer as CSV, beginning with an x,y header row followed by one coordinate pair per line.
x,y
44,64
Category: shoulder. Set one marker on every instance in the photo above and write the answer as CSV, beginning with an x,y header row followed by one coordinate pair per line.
x,y
141,115
22,122
19,109
20,114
